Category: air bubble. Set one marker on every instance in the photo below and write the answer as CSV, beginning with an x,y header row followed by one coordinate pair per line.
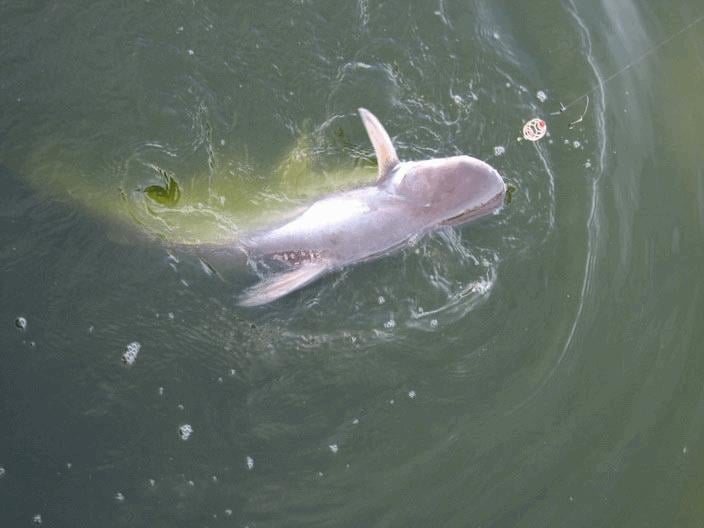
x,y
130,355
185,431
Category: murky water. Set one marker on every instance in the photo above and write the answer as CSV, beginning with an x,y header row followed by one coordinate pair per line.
x,y
542,367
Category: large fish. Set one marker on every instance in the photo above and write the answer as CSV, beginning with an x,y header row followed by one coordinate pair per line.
x,y
409,199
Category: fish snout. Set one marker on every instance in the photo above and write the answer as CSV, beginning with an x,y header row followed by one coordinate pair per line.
x,y
480,191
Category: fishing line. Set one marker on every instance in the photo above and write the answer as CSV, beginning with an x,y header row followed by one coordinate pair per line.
x,y
536,128
576,121
635,61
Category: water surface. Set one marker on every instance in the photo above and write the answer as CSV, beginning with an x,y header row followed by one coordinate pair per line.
x,y
541,367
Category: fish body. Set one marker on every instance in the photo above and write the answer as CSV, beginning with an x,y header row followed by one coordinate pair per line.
x,y
408,200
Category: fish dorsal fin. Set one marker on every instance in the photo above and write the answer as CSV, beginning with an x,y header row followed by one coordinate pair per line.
x,y
383,147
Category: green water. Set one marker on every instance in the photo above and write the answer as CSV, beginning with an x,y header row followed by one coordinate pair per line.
x,y
541,367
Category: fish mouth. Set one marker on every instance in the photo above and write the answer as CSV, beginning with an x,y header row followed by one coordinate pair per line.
x,y
484,209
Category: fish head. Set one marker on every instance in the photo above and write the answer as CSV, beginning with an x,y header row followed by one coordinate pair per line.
x,y
450,191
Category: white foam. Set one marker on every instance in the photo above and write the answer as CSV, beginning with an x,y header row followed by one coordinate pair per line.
x,y
481,286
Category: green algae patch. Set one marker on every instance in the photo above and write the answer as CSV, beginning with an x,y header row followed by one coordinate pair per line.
x,y
167,194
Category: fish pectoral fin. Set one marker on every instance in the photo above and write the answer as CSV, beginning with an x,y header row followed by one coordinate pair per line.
x,y
383,147
282,284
